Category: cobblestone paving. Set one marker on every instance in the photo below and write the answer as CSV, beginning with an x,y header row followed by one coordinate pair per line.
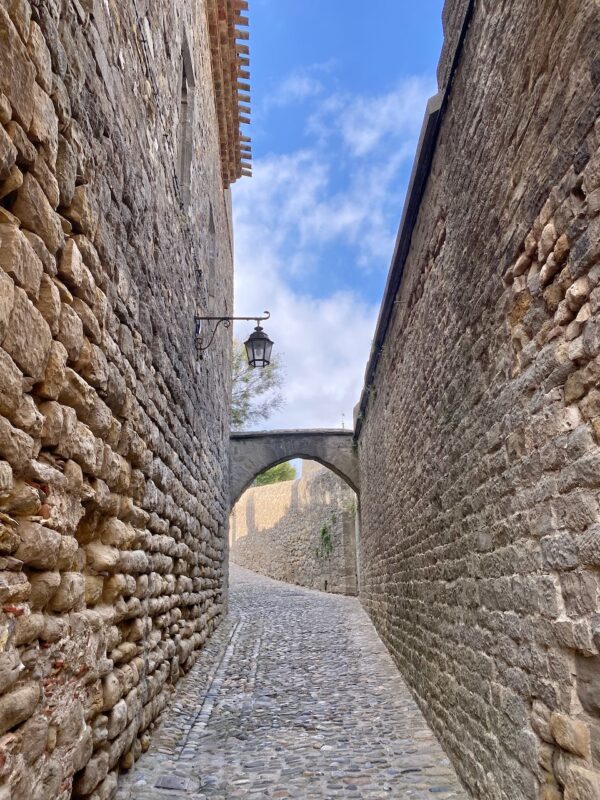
x,y
295,696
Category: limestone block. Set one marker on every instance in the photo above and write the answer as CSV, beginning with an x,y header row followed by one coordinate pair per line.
x,y
66,171
94,585
133,561
55,628
116,533
7,298
35,737
17,74
16,447
28,418
42,252
95,772
70,331
83,211
70,268
43,586
49,304
28,338
19,704
39,546
11,385
570,734
12,181
19,260
28,628
111,690
40,55
83,750
37,215
101,558
69,547
588,684
8,157
54,376
117,719
24,499
581,784
44,123
14,587
26,152
53,423
90,323
45,177
9,539
93,366
5,109
10,668
70,593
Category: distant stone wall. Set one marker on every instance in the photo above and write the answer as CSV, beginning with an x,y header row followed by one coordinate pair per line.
x,y
300,531
480,446
113,435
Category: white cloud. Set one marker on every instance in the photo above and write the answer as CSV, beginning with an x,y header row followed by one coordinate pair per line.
x,y
299,85
363,121
344,189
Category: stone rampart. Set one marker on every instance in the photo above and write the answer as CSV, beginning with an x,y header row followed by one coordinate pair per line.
x,y
480,537
113,436
300,531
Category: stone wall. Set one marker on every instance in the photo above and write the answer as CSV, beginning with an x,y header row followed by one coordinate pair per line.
x,y
113,435
300,531
480,447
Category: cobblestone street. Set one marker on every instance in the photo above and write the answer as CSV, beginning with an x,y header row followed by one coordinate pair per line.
x,y
294,697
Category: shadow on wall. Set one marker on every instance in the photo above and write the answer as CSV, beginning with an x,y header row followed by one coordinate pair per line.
x,y
301,531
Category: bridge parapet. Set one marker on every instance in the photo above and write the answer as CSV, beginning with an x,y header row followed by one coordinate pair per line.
x,y
254,451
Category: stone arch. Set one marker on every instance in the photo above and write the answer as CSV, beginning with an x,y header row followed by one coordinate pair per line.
x,y
251,453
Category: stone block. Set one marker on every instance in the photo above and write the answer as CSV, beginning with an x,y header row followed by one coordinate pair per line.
x,y
70,594
571,734
17,74
28,338
7,299
39,546
70,332
40,56
43,586
19,260
16,447
37,215
8,157
11,385
19,704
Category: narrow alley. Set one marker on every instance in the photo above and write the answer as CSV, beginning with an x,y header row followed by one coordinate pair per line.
x,y
294,697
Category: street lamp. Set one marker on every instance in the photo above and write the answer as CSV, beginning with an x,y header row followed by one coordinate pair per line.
x,y
258,345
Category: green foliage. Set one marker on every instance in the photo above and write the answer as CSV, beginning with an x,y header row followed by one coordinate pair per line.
x,y
277,474
326,544
255,392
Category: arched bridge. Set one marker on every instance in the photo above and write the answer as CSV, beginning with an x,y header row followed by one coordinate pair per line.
x,y
251,453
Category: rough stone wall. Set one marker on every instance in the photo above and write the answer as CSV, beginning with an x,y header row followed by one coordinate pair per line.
x,y
300,531
480,448
113,436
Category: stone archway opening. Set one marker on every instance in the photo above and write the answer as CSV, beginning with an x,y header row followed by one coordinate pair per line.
x,y
302,531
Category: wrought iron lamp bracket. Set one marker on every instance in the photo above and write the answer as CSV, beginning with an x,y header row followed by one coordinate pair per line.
x,y
226,322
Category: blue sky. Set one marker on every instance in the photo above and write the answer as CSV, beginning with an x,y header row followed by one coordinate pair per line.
x,y
338,96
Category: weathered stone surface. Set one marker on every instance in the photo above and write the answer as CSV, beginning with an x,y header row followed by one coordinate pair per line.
x,y
37,215
476,432
28,338
103,413
18,705
17,74
19,260
39,546
301,531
